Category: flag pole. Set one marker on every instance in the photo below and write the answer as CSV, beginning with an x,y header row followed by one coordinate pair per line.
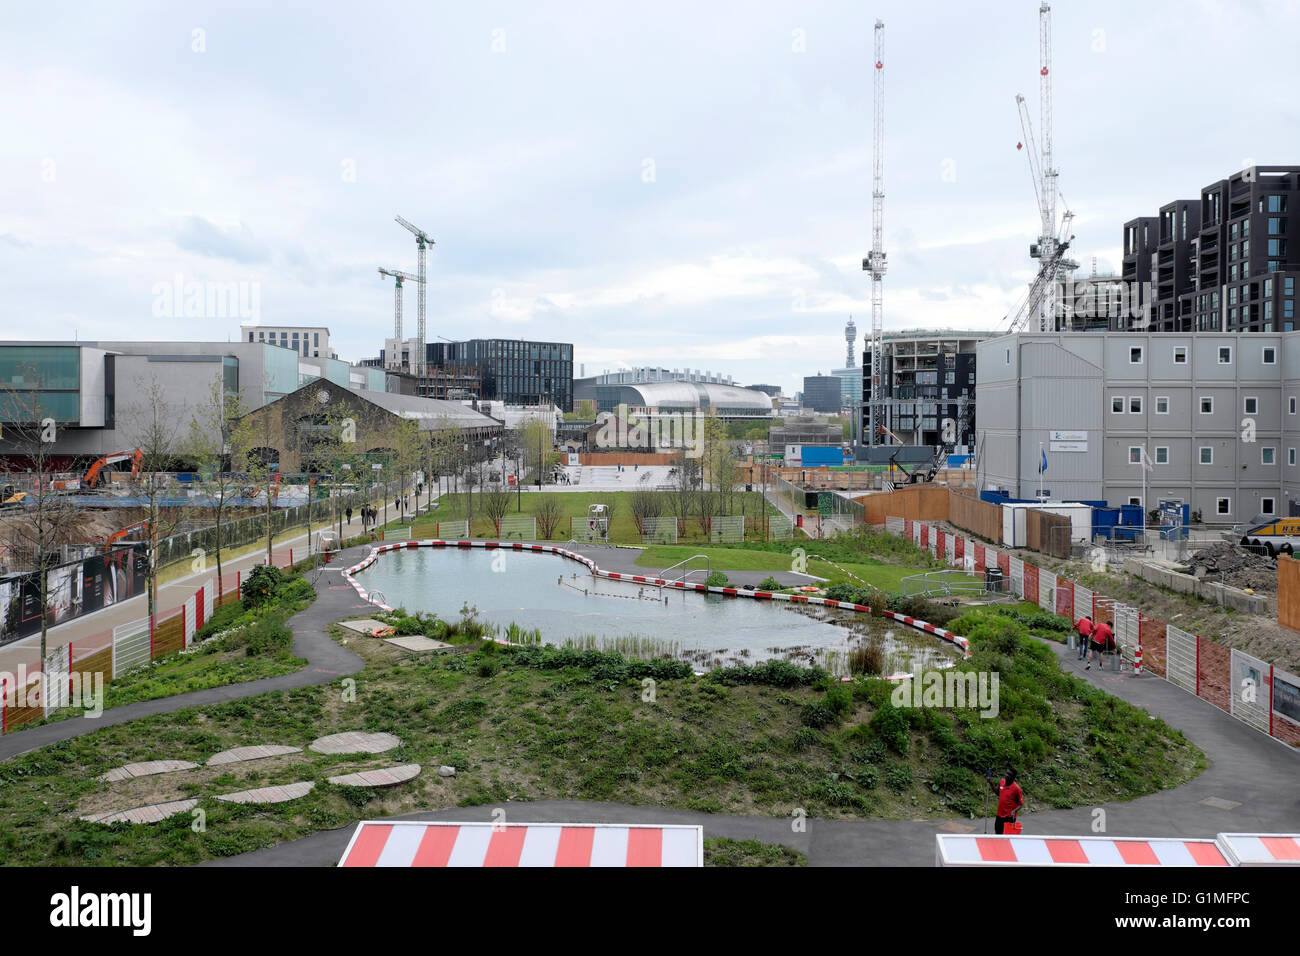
x,y
1145,464
1040,472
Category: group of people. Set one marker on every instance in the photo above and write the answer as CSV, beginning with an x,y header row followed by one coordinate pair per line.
x,y
564,478
369,516
1097,638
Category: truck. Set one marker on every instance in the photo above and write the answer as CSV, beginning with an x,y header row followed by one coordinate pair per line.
x,y
1271,535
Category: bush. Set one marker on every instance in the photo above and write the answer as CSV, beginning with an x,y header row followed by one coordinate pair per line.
x,y
893,725
769,583
262,584
296,591
717,580
771,673
898,778
839,697
817,714
867,657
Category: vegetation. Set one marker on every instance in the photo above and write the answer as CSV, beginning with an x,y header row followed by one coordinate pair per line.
x,y
542,722
723,851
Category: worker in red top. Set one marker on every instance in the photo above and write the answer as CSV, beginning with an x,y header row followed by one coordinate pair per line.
x,y
1101,638
1010,800
1084,627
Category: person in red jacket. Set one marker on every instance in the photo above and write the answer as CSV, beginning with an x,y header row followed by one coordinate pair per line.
x,y
1084,627
1101,639
1010,800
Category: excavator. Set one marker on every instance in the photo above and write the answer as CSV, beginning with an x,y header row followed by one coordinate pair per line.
x,y
98,471
116,536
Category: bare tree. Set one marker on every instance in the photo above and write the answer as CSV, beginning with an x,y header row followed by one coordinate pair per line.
x,y
213,428
548,513
40,517
646,503
155,431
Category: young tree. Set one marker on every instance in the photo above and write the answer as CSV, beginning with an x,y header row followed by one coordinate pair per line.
x,y
548,513
212,433
45,519
156,432
646,503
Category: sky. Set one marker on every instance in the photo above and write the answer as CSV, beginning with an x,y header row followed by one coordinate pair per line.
x,y
675,184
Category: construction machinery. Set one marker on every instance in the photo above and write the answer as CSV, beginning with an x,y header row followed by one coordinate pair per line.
x,y
98,472
400,277
11,497
875,262
1038,308
422,244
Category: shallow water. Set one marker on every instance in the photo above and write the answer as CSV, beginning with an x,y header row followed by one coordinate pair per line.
x,y
567,604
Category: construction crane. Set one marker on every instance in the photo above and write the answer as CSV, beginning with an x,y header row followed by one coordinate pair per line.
x,y
422,243
875,263
1053,241
400,277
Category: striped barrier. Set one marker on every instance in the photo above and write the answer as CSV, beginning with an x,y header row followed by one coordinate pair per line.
x,y
1226,849
376,551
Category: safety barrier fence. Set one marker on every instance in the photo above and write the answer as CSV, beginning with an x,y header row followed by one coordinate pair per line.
x,y
1254,691
31,690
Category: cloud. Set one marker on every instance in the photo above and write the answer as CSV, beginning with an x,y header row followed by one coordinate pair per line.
x,y
195,234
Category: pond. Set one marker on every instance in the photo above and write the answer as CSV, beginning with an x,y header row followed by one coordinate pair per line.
x,y
569,605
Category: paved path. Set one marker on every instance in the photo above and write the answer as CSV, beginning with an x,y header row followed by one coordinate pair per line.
x,y
326,661
1252,784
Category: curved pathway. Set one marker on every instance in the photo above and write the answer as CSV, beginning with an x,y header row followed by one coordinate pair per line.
x,y
326,661
1251,784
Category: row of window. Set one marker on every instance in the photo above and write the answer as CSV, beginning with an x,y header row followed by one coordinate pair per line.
x,y
1268,354
1250,405
1267,455
1223,506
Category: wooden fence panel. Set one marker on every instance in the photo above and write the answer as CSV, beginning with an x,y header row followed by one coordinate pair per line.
x,y
978,517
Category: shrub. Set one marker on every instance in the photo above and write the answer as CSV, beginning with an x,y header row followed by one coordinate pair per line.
x,y
817,714
839,697
716,580
769,583
898,777
771,673
262,584
867,657
893,726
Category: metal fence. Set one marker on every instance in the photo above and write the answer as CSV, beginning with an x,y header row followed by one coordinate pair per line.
x,y
780,528
523,527
662,530
727,529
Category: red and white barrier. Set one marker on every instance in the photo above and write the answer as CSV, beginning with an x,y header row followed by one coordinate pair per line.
x,y
376,551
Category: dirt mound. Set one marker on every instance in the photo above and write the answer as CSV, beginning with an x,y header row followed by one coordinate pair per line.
x,y
1235,566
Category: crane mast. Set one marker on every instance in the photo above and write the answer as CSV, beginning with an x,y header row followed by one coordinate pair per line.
x,y
422,242
399,277
875,261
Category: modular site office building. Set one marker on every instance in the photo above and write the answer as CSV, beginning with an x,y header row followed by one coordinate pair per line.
x,y
1216,413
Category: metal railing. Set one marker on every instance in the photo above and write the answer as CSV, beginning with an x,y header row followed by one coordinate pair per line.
x,y
686,572
947,583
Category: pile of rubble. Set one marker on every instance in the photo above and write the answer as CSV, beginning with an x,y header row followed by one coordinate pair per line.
x,y
1235,566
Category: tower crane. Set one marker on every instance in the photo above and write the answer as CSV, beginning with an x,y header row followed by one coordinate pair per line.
x,y
1053,240
875,262
422,243
399,278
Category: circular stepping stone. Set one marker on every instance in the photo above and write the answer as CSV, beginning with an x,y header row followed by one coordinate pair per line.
x,y
383,777
256,752
354,742
280,794
149,814
147,769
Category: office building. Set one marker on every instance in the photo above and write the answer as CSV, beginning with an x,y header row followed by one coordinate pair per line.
x,y
309,341
513,371
823,393
929,379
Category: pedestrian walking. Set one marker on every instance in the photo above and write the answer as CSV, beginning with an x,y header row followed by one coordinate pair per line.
x,y
1010,800
1084,627
348,512
1101,638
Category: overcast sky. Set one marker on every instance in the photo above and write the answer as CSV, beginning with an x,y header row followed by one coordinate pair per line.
x,y
681,184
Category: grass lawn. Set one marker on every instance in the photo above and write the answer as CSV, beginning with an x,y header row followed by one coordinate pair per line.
x,y
723,851
876,574
538,723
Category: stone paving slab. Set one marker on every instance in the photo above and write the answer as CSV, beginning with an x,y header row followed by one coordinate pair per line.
x,y
382,777
417,643
146,768
363,626
354,742
149,814
280,794
256,752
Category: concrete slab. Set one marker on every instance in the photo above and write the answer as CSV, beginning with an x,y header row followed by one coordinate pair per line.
x,y
280,794
354,742
417,643
149,814
146,768
381,777
256,752
363,626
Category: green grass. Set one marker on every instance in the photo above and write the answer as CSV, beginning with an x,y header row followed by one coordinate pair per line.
x,y
542,723
884,576
723,851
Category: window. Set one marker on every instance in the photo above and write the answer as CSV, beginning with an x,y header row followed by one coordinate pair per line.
x,y
250,336
1162,455
1207,455
1134,454
1162,404
1290,404
1250,406
1180,354
1276,227
1277,247
1135,355
1277,204
1117,405
1135,405
1207,404
1134,500
1270,353
1225,353
1290,457
1268,456
1223,506
1266,506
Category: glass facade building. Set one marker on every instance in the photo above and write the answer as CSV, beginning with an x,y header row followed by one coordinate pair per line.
x,y
40,381
513,371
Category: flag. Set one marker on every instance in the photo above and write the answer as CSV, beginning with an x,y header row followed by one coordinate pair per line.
x,y
1042,465
1145,460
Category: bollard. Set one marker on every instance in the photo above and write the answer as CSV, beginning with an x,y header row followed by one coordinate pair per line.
x,y
1137,662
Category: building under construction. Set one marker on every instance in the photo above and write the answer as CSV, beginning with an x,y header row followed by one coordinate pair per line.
x,y
928,378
